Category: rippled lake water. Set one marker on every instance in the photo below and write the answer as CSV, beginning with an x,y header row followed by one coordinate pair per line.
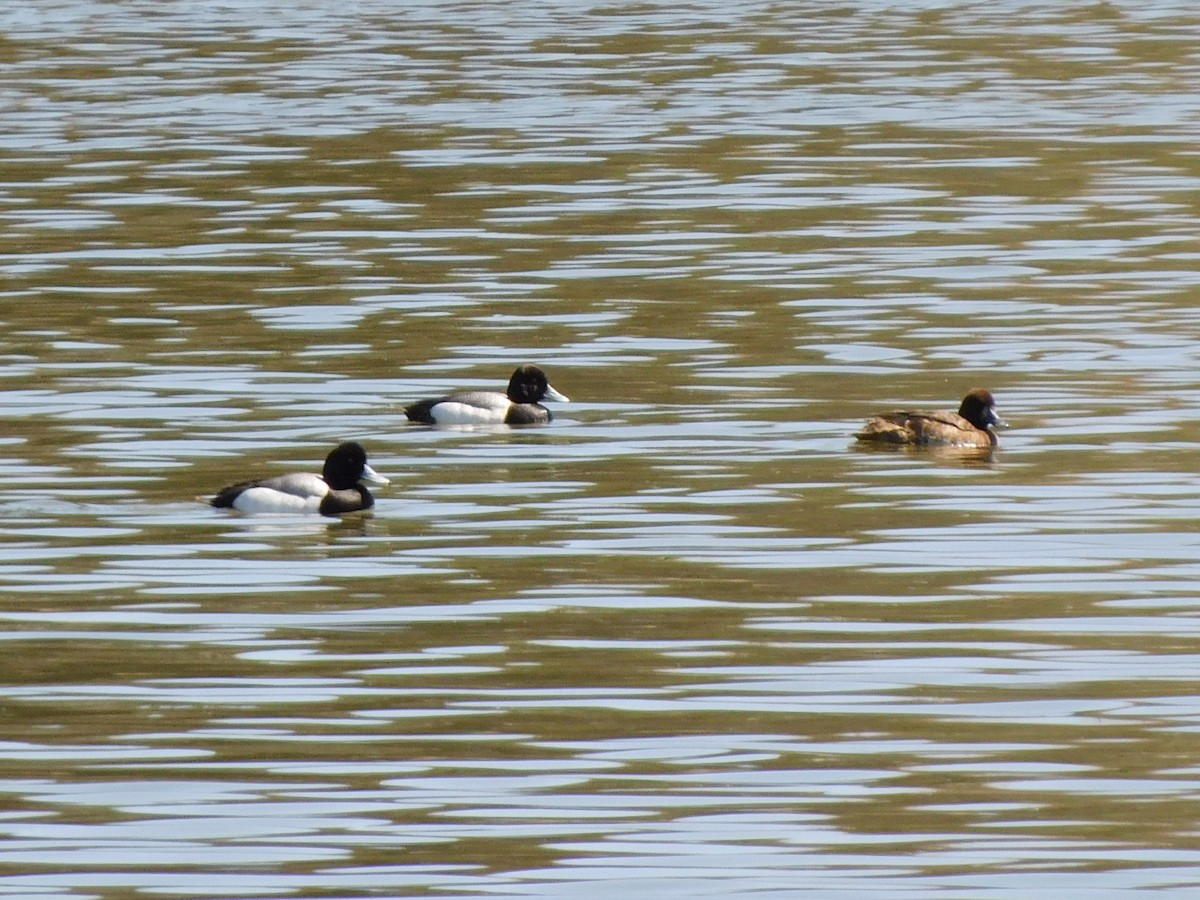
x,y
687,640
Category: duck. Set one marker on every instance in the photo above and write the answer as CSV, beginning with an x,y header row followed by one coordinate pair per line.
x,y
971,426
519,405
337,490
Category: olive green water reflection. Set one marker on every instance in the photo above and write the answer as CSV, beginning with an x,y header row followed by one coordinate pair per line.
x,y
687,640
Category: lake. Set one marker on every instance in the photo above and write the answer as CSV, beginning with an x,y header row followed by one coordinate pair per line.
x,y
687,640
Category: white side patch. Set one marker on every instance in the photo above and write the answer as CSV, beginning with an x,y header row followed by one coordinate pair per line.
x,y
259,500
451,412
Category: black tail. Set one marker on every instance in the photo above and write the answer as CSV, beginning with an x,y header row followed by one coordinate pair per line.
x,y
422,412
226,496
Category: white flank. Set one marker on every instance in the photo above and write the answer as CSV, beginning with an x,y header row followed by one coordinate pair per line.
x,y
300,492
451,412
259,500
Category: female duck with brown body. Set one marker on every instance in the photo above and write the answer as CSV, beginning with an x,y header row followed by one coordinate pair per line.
x,y
518,406
970,427
335,491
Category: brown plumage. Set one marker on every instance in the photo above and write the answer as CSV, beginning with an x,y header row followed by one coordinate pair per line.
x,y
969,427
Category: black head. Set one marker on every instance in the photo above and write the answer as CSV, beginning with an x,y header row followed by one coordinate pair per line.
x,y
979,408
528,384
345,465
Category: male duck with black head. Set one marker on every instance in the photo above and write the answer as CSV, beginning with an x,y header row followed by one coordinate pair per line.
x,y
970,427
519,405
337,490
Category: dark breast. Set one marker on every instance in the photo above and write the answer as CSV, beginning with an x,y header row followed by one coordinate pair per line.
x,y
349,500
527,414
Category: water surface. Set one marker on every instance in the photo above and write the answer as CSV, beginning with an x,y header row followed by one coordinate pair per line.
x,y
687,640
